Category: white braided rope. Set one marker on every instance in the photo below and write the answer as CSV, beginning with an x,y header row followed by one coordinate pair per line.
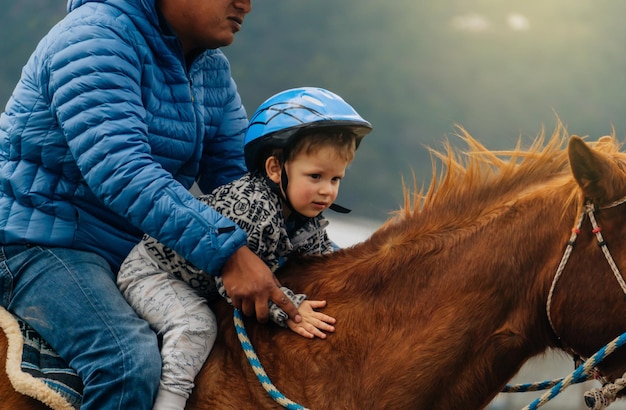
x,y
602,397
561,267
605,250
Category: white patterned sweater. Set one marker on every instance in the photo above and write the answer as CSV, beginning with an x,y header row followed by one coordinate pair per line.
x,y
251,203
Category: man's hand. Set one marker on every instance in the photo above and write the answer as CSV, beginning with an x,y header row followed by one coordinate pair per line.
x,y
250,285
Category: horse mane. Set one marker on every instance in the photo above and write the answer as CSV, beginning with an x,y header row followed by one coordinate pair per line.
x,y
473,180
471,188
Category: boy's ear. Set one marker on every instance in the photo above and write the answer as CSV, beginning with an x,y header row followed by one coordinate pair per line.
x,y
273,168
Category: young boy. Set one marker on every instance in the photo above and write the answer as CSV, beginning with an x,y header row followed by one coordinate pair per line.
x,y
297,147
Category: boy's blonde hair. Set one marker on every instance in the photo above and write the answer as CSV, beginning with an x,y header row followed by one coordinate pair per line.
x,y
344,142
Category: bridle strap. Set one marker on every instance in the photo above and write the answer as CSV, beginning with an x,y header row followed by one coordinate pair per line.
x,y
588,210
605,249
561,267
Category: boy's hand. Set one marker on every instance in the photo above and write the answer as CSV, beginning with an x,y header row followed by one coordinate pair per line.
x,y
313,323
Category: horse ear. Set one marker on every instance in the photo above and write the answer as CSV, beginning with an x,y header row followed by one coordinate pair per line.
x,y
595,172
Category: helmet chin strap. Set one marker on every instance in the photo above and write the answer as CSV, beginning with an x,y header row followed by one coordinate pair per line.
x,y
284,180
339,209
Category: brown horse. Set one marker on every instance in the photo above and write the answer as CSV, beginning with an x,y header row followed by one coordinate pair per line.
x,y
444,303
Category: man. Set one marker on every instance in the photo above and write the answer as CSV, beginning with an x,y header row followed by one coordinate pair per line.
x,y
121,108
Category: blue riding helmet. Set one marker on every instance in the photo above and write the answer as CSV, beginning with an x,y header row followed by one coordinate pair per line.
x,y
282,116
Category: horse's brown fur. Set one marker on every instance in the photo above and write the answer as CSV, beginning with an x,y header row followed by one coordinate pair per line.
x,y
447,300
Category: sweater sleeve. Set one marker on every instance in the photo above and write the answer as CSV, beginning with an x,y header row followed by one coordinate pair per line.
x,y
99,96
222,156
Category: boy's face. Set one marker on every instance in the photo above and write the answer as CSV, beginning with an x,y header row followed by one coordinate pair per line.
x,y
314,180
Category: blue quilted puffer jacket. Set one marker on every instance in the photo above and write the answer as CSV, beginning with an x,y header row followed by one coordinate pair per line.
x,y
107,130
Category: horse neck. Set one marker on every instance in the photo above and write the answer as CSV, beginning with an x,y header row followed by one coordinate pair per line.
x,y
461,303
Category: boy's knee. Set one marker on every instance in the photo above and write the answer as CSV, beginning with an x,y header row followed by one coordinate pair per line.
x,y
203,324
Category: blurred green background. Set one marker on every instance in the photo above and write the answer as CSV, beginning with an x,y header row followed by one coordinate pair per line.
x,y
414,69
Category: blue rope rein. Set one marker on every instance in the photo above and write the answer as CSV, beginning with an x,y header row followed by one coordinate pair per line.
x,y
581,374
257,367
538,386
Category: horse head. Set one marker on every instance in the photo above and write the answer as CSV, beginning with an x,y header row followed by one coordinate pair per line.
x,y
589,298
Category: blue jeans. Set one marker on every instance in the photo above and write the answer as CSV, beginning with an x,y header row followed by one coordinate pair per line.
x,y
71,299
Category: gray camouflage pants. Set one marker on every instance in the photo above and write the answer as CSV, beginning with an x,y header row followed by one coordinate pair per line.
x,y
176,312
